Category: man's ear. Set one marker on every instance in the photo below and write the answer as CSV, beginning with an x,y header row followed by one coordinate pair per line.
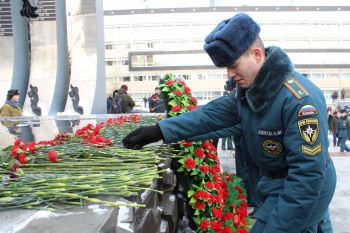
x,y
258,54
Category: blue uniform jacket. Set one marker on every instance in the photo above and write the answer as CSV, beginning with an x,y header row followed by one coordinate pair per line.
x,y
284,122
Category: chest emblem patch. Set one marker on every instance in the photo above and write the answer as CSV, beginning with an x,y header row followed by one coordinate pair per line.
x,y
307,110
308,129
273,148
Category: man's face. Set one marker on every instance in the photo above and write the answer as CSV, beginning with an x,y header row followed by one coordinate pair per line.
x,y
15,98
157,91
245,68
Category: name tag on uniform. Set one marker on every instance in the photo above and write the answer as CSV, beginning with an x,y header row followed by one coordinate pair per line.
x,y
270,133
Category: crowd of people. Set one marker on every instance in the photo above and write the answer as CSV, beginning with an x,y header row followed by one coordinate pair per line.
x,y
339,126
122,102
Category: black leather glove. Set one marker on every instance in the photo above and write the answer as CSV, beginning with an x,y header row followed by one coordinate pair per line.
x,y
142,136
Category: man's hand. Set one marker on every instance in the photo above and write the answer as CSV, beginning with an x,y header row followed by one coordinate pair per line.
x,y
142,136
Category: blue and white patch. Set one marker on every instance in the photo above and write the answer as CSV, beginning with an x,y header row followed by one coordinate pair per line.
x,y
307,110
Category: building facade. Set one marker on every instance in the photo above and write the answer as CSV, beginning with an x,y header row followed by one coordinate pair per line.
x,y
143,45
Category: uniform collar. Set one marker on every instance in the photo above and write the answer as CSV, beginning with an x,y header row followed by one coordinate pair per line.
x,y
274,72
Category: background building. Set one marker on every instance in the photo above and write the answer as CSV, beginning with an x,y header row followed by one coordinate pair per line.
x,y
144,44
95,46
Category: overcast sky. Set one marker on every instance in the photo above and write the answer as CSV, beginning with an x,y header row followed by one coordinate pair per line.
x,y
140,4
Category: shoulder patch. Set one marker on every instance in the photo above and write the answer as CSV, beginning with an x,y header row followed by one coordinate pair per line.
x,y
311,151
296,88
308,129
307,110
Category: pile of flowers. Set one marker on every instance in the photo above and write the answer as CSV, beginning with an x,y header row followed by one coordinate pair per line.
x,y
73,167
218,200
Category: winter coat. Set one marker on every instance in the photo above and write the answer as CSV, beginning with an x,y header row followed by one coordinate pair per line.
x,y
127,103
156,104
284,122
343,127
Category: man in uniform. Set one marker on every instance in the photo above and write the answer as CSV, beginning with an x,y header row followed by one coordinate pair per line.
x,y
284,124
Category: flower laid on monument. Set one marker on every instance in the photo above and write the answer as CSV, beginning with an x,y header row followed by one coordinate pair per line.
x,y
218,201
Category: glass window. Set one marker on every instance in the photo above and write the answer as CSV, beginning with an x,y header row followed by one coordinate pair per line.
x,y
345,75
307,75
109,63
212,76
318,75
154,77
140,78
126,79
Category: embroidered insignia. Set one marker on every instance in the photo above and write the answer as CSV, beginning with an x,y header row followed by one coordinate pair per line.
x,y
311,151
296,88
272,147
270,133
307,110
308,129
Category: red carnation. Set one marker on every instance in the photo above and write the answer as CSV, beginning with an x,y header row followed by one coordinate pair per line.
x,y
227,216
216,212
13,171
242,230
194,100
14,151
212,199
186,143
206,145
199,205
17,142
52,156
204,169
241,196
204,224
216,226
169,82
219,199
190,163
236,220
217,186
227,229
239,189
178,93
191,107
22,158
199,153
176,108
187,89
205,195
243,211
182,83
209,185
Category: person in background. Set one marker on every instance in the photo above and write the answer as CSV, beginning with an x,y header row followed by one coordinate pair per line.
x,y
145,101
284,124
334,96
11,109
122,102
343,130
155,102
342,94
334,127
109,102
